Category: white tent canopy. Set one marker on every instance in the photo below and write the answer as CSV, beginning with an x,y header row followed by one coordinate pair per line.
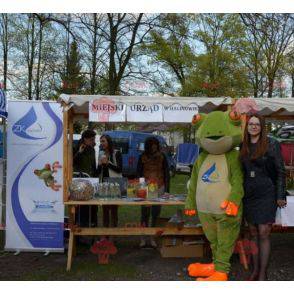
x,y
268,106
182,108
143,108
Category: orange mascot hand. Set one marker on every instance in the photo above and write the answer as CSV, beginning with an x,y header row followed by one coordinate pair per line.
x,y
230,207
189,212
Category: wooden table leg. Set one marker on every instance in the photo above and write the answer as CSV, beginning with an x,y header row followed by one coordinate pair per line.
x,y
74,247
70,250
71,243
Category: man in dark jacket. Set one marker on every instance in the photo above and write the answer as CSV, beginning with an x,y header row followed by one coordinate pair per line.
x,y
84,161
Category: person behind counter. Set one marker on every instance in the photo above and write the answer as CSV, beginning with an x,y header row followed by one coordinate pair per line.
x,y
109,165
264,187
153,165
84,161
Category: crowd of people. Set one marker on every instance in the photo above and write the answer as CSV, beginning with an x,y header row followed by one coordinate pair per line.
x,y
264,183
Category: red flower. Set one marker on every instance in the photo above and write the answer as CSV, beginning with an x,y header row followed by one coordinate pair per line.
x,y
103,249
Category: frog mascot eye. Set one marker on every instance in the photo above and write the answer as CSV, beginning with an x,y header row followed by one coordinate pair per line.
x,y
235,117
196,118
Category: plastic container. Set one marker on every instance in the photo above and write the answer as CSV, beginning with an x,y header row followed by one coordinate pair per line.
x,y
132,188
81,190
152,189
142,191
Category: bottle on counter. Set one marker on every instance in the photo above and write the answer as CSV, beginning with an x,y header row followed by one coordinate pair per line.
x,y
142,191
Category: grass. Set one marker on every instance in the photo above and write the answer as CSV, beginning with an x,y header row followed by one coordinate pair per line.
x,y
85,270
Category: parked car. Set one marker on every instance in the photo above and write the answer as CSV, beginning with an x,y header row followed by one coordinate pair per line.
x,y
131,145
286,132
186,155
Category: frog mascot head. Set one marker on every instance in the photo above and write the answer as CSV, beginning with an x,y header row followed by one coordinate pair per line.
x,y
216,190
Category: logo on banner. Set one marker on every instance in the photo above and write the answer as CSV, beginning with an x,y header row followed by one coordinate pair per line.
x,y
105,107
211,175
27,127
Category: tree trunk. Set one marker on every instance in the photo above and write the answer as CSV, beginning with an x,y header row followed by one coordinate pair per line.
x,y
67,42
114,75
31,54
256,83
112,69
91,125
270,88
94,55
39,62
5,49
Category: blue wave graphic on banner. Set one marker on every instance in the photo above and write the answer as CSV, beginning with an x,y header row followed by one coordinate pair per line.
x,y
21,126
3,111
32,230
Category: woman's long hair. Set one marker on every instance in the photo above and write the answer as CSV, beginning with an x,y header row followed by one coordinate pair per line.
x,y
110,143
261,143
148,145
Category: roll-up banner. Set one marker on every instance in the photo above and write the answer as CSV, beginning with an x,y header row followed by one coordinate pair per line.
x,y
34,208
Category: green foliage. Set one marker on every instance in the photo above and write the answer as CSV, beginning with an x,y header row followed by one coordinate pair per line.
x,y
177,54
218,71
217,74
72,79
214,69
169,46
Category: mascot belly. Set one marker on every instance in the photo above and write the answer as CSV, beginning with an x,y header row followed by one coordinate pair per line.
x,y
215,190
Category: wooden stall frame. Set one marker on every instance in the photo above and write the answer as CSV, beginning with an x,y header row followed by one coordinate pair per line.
x,y
68,117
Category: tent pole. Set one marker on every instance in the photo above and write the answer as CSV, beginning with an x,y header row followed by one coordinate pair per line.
x,y
70,145
65,154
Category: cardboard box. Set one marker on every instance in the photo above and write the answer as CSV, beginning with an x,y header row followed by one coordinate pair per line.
x,y
162,221
183,251
171,241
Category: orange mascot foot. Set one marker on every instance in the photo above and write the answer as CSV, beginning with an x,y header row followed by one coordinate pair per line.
x,y
201,269
216,276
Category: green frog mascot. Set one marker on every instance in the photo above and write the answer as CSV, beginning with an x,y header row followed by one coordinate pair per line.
x,y
215,190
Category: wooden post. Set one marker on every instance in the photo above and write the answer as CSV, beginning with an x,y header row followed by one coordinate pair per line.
x,y
70,250
65,155
70,145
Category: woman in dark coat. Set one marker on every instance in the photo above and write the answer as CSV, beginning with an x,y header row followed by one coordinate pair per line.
x,y
264,187
153,165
